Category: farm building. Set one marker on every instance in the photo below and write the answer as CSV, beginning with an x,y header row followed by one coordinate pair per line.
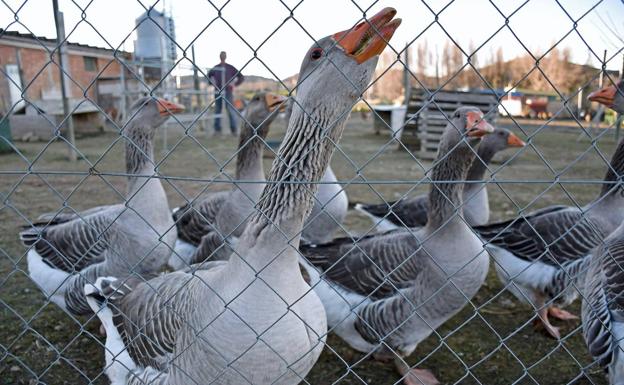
x,y
30,83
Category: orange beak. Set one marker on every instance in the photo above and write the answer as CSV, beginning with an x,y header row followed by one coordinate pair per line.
x,y
514,141
604,96
370,37
477,126
165,107
275,101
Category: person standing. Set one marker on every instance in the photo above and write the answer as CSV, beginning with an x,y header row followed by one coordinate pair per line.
x,y
224,77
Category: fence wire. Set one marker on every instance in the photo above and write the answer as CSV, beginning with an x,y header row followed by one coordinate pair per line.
x,y
291,272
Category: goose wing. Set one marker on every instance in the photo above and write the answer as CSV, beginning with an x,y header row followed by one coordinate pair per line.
x,y
59,217
376,266
149,315
73,244
410,212
562,233
195,221
604,301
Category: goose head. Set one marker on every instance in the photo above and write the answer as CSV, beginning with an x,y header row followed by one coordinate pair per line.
x,y
611,96
337,68
261,110
465,129
500,140
152,112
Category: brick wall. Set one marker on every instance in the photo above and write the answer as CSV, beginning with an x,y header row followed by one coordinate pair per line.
x,y
41,77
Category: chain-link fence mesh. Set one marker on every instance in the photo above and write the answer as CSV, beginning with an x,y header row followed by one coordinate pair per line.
x,y
351,229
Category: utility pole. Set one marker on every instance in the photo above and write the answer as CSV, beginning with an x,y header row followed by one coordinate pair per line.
x,y
63,63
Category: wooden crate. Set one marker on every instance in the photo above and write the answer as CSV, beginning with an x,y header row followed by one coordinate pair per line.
x,y
428,115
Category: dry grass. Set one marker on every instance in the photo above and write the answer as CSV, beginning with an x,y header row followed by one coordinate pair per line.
x,y
494,345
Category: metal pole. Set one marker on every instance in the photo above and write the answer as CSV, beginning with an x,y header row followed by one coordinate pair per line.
x,y
604,61
63,61
618,121
437,65
123,105
223,99
579,103
195,78
406,76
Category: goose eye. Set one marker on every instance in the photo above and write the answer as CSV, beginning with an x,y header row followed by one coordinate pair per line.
x,y
316,53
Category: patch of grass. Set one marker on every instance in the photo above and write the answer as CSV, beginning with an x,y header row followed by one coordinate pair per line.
x,y
491,341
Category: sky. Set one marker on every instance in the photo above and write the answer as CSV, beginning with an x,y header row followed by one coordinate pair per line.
x,y
261,39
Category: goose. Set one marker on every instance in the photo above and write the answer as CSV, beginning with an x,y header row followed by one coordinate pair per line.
x,y
387,292
68,251
602,310
542,257
252,318
202,227
412,212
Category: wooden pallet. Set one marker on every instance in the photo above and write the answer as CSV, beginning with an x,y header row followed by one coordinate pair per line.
x,y
427,116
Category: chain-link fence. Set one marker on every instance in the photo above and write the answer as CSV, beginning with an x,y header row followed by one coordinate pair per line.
x,y
433,212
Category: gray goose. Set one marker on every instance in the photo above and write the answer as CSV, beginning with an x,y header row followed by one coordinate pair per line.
x,y
203,226
372,287
68,251
603,301
412,212
253,318
542,257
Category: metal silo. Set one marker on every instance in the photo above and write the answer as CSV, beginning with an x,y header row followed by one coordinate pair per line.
x,y
155,46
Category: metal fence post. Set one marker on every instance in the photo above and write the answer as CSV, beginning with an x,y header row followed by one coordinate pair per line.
x,y
63,67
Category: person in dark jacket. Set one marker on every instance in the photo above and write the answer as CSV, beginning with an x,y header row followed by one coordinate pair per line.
x,y
224,77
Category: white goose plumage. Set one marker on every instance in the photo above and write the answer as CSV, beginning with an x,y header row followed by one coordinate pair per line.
x,y
329,211
603,301
387,292
251,319
68,251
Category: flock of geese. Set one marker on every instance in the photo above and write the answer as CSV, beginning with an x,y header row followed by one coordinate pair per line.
x,y
256,280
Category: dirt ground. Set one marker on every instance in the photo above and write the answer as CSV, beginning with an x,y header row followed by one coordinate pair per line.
x,y
492,341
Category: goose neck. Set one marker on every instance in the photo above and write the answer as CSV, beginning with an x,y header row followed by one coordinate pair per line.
x,y
445,196
249,157
480,164
139,153
300,164
614,172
